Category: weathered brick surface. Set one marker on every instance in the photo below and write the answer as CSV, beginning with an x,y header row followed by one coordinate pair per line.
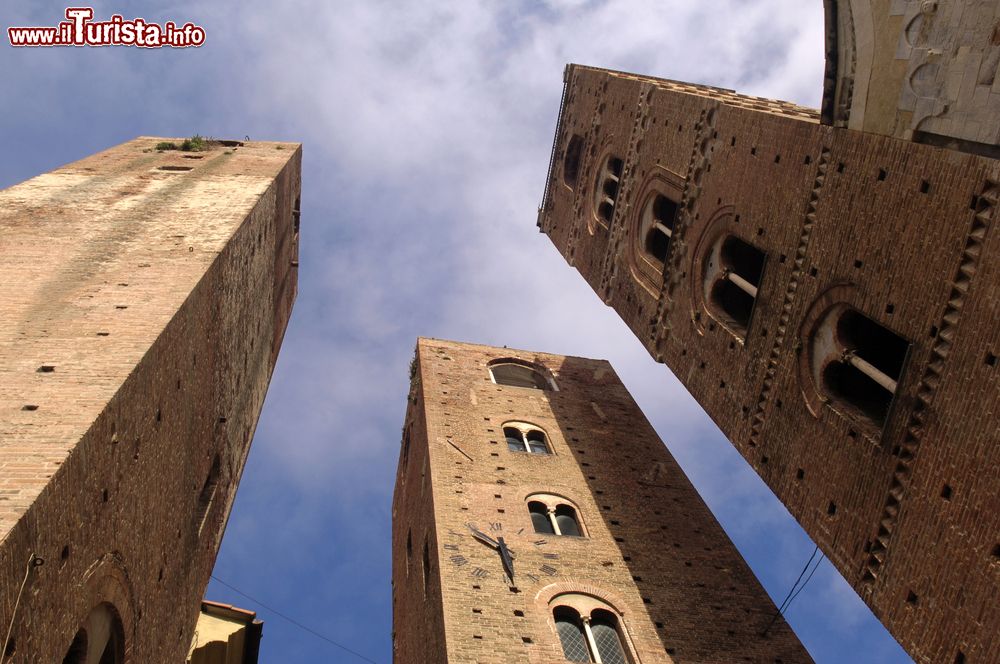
x,y
158,298
652,549
899,231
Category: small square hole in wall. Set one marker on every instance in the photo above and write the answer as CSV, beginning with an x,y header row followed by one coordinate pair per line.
x,y
881,174
29,406
813,272
733,141
934,331
526,639
781,258
946,492
911,597
960,657
477,610
807,160
777,158
831,509
46,368
991,359
996,553
889,308
800,474
518,613
764,460
925,186
760,231
858,263
841,167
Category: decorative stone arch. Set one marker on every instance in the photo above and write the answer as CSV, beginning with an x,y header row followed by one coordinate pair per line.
x,y
650,238
605,187
718,278
826,348
108,601
531,374
850,55
586,598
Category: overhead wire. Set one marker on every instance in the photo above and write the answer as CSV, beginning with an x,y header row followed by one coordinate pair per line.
x,y
294,622
793,592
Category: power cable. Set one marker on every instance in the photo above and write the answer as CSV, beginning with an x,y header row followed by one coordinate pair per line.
x,y
33,561
792,592
294,622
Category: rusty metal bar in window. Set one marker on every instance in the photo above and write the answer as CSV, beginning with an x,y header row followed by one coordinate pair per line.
x,y
660,226
608,200
870,370
742,283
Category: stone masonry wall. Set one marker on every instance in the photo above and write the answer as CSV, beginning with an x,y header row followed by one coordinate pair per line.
x,y
138,295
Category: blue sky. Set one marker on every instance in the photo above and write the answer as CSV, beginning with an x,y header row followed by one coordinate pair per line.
x,y
427,130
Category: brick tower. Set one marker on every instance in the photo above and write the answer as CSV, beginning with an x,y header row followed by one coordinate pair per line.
x,y
144,295
537,517
830,298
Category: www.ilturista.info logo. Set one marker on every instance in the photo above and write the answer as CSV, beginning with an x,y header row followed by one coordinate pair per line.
x,y
80,30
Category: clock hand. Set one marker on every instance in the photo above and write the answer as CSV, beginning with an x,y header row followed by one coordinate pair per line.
x,y
483,537
506,558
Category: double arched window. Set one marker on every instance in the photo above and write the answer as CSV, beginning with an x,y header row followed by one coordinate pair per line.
x,y
552,515
733,270
523,437
588,630
520,374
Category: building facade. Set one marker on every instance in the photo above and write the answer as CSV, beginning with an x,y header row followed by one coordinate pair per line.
x,y
829,297
145,293
537,517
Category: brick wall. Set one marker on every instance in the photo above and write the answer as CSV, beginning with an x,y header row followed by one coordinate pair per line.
x,y
906,508
652,550
149,297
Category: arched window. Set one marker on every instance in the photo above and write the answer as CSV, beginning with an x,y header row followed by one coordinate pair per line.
x,y
606,189
525,438
540,518
657,226
859,362
733,271
552,515
99,640
517,374
588,630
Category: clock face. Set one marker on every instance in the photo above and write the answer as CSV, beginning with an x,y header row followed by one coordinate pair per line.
x,y
527,560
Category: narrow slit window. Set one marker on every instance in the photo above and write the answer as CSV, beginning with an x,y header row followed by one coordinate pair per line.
x,y
571,165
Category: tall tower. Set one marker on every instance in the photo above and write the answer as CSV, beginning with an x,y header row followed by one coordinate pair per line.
x,y
830,299
144,296
537,517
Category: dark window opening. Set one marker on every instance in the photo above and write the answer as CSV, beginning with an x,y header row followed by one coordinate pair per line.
x,y
607,193
866,374
734,303
536,442
427,570
566,519
571,165
661,227
77,653
734,292
515,443
540,518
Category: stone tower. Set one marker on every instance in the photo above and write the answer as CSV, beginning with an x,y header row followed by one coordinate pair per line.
x,y
830,298
144,296
537,517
